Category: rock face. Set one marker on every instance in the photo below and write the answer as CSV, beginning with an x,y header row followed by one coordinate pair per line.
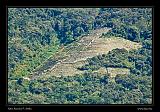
x,y
117,71
88,47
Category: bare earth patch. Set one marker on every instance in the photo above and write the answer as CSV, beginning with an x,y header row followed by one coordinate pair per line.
x,y
88,47
101,71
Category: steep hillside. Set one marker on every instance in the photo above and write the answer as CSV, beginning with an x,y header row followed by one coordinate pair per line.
x,y
80,56
87,47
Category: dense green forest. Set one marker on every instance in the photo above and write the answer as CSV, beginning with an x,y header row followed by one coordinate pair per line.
x,y
36,34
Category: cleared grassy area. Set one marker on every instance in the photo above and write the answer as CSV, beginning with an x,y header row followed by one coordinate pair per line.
x,y
104,45
75,55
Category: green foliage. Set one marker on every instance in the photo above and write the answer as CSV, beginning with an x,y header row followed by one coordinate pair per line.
x,y
133,24
35,34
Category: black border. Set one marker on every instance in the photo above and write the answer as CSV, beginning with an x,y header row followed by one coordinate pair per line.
x,y
36,108
80,2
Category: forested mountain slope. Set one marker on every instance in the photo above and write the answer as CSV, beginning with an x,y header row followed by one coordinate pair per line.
x,y
76,54
36,34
